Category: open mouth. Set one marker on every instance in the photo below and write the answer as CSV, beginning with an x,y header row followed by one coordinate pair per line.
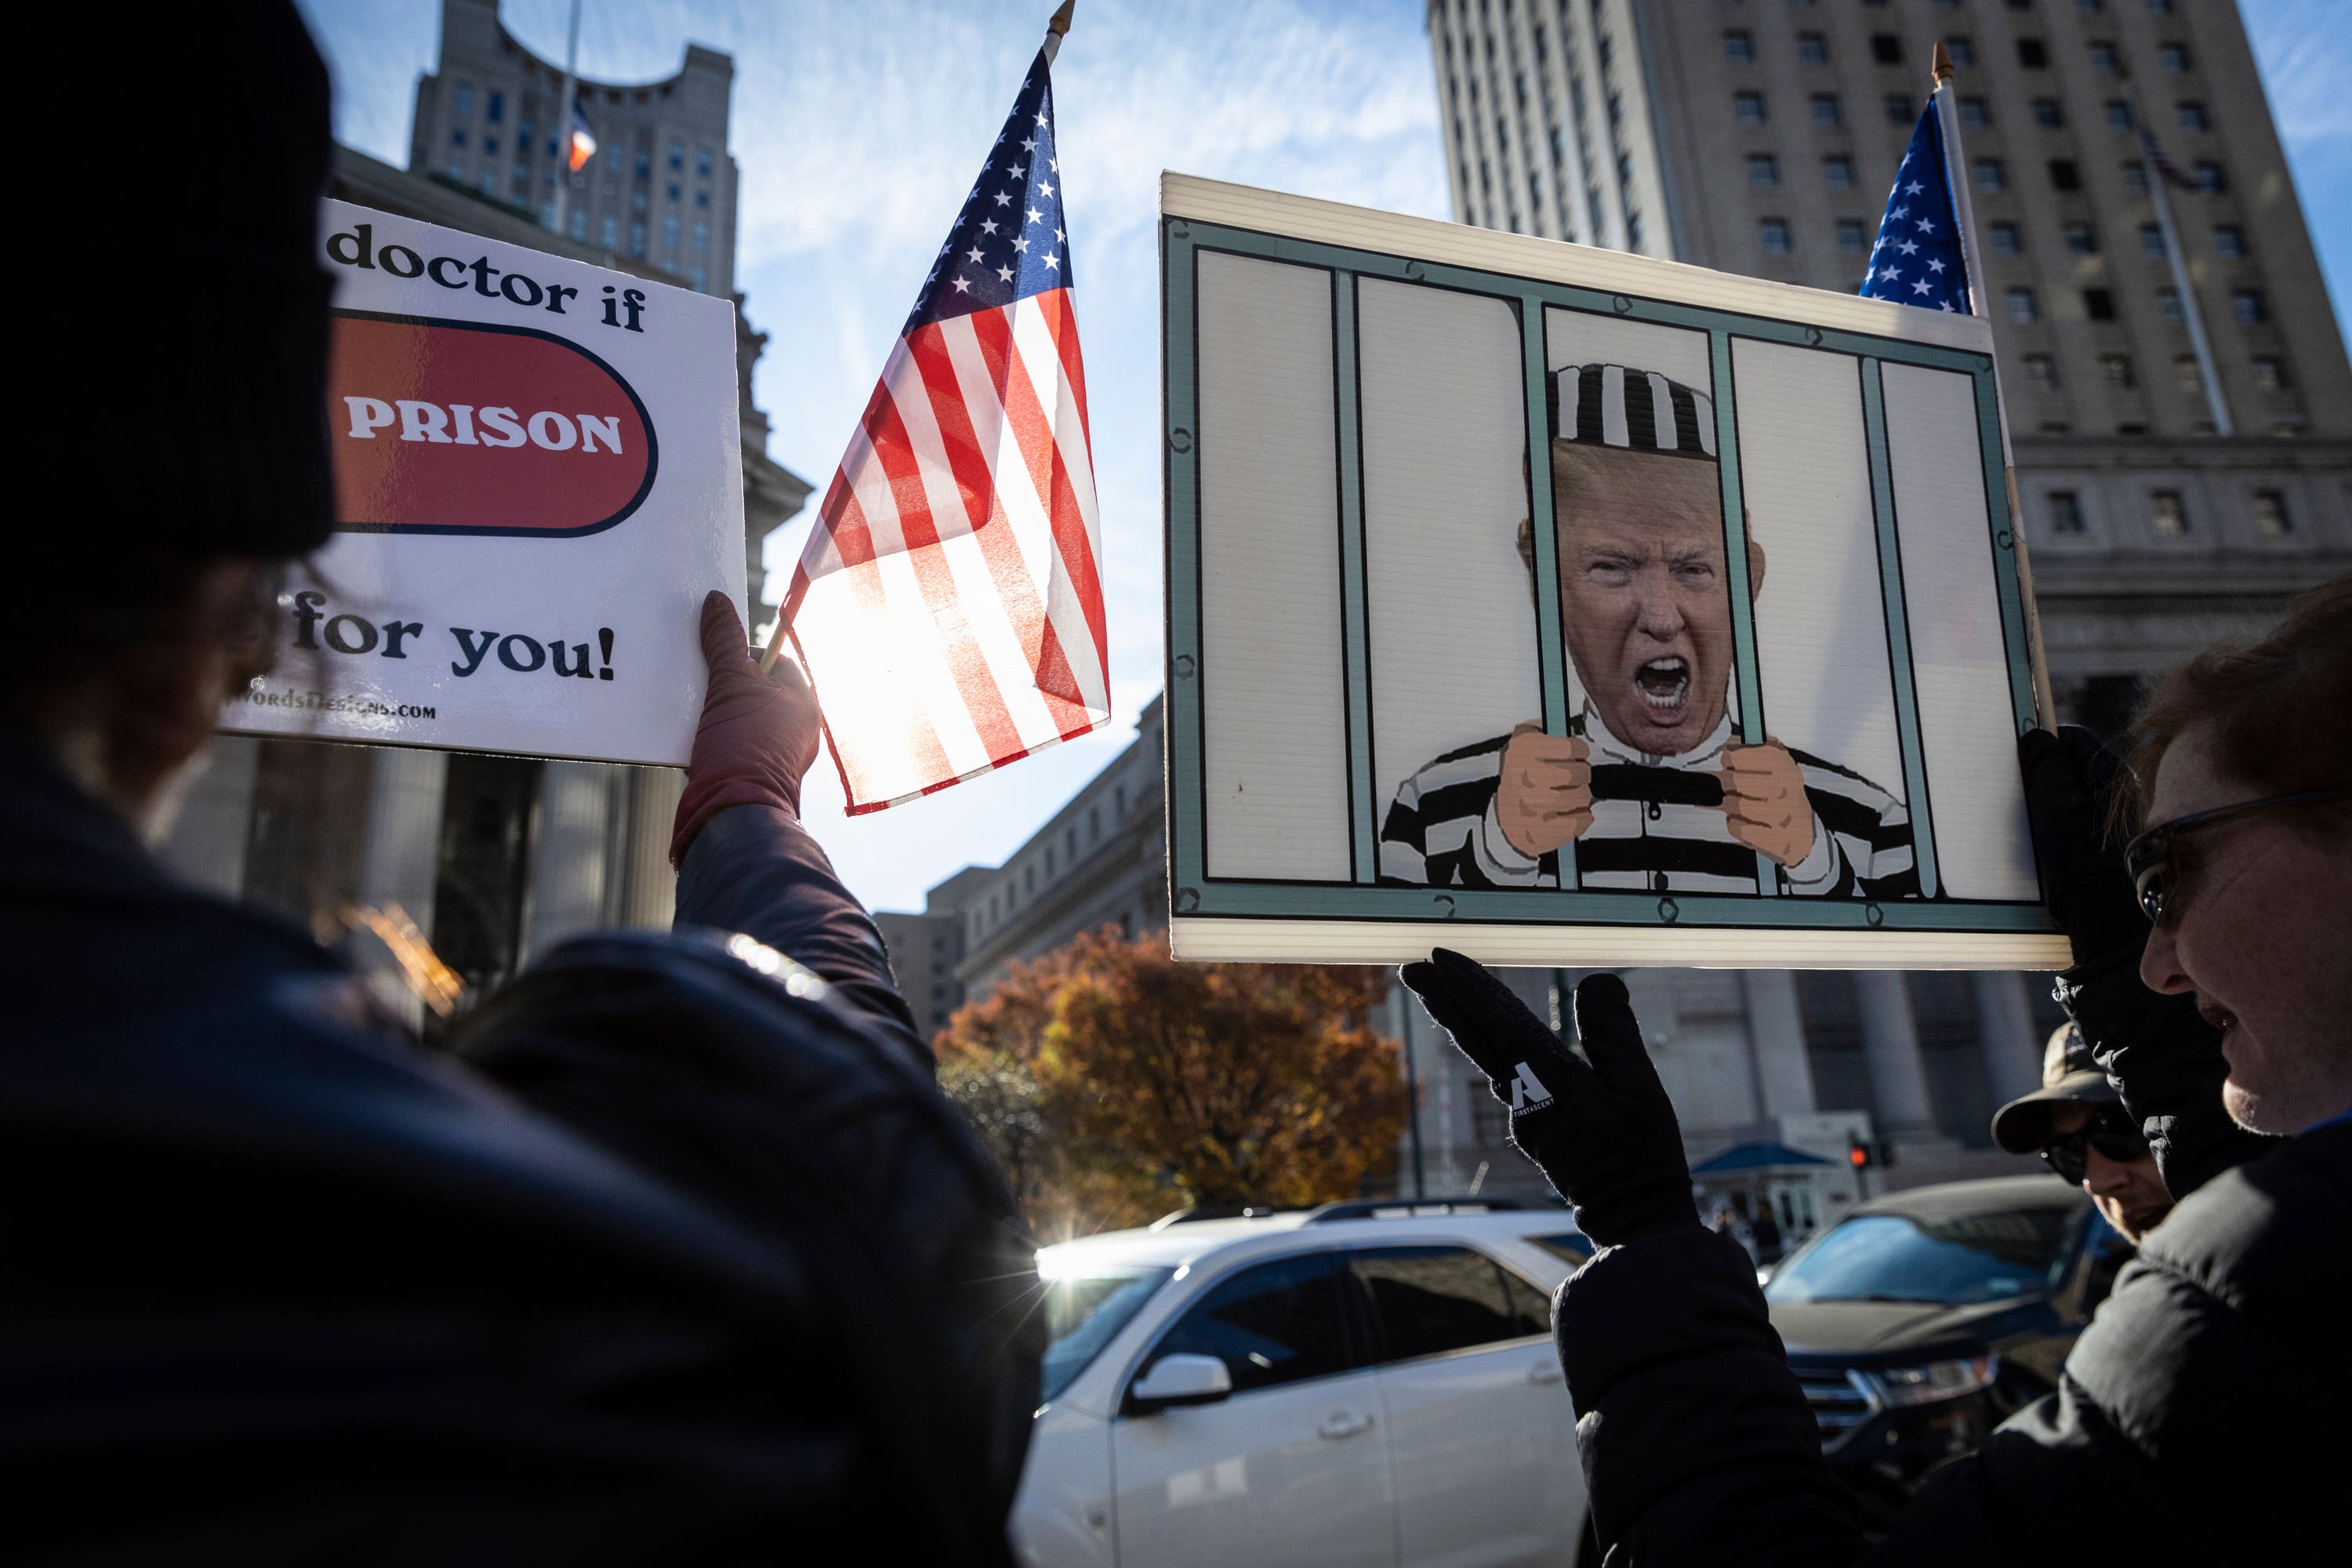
x,y
1665,685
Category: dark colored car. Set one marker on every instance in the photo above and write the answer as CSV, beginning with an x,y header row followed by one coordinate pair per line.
x,y
1924,1318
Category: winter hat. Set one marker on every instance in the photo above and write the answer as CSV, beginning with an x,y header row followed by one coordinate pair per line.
x,y
181,357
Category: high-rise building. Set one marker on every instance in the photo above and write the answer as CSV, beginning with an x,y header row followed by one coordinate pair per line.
x,y
496,858
1762,137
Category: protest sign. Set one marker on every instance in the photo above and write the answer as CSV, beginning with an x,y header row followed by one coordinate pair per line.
x,y
1730,673
538,476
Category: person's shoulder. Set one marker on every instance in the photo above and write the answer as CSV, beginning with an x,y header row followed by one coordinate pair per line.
x,y
1477,764
2280,1222
1823,774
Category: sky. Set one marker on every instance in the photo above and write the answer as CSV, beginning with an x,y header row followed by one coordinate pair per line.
x,y
859,124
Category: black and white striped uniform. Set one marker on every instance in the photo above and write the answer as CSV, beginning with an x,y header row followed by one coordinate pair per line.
x,y
1441,832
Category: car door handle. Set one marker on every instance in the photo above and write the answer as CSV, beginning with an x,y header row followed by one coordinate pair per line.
x,y
1344,1424
1544,1370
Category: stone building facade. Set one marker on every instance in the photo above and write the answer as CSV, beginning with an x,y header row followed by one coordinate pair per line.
x,y
494,860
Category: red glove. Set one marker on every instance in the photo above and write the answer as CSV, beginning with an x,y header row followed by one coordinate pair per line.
x,y
758,734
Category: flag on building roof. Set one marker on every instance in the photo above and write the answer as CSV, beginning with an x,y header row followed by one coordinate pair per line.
x,y
1918,259
2171,172
583,145
948,605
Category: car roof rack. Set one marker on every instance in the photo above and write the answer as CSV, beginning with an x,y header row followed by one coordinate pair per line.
x,y
1220,1211
1418,1208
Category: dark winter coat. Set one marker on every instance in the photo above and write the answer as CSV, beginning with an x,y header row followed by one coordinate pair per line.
x,y
683,1260
2199,1418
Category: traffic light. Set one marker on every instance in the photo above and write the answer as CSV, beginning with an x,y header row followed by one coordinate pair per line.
x,y
1858,1154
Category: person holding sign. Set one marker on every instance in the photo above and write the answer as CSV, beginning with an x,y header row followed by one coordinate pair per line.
x,y
676,1254
1651,783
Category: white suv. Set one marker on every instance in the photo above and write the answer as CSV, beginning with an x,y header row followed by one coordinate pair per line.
x,y
1361,1383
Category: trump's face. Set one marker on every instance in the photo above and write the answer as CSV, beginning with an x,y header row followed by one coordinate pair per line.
x,y
1645,607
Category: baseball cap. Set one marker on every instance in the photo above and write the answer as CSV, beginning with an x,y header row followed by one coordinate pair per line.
x,y
1638,410
2069,1075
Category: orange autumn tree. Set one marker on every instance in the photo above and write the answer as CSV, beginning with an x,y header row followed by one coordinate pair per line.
x,y
1115,1084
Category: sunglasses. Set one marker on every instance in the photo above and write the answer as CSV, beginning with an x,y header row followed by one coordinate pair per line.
x,y
2110,1131
2148,858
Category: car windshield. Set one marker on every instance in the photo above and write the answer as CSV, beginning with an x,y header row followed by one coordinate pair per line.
x,y
1082,1312
1953,1261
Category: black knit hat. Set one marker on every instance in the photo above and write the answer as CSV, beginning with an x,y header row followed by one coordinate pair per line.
x,y
1639,410
180,357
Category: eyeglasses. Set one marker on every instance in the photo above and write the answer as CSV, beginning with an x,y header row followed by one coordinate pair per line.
x,y
2147,859
2110,1131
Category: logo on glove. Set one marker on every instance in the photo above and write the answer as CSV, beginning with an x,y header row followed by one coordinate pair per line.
x,y
1527,1092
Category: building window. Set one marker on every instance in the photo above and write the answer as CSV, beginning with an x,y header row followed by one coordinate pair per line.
x,y
702,198
2167,301
2066,513
1737,45
2135,178
1887,48
1813,49
2032,53
579,223
2022,307
669,229
702,236
2117,368
2228,240
1849,237
2119,114
637,238
702,163
457,137
2049,114
1826,112
1837,173
2042,373
2210,181
609,232
1962,50
2167,517
2082,239
700,278
1974,114
1763,169
2099,304
1774,234
2103,57
1992,175
2185,373
2064,176
2271,520
2173,57
1747,108
1900,109
497,110
2192,116
2270,373
2151,239
489,146
671,189
2246,305
461,102
676,158
2007,239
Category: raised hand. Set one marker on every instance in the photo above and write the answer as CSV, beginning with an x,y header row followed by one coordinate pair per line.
x,y
1544,797
1764,799
757,735
1601,1127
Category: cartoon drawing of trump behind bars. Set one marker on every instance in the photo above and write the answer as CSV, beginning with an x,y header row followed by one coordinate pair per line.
x,y
1650,782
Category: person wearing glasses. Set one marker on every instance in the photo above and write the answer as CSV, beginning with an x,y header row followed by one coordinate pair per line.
x,y
2212,983
2078,1125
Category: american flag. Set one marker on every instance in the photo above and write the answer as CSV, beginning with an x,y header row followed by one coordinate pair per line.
x,y
948,605
2171,172
1918,259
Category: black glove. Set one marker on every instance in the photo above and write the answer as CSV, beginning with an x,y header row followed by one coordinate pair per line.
x,y
2069,777
1605,1134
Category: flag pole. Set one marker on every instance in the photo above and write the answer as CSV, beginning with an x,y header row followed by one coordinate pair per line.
x,y
2208,374
563,124
1947,121
1057,27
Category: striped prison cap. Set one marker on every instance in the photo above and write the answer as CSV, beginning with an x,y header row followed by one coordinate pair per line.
x,y
1612,406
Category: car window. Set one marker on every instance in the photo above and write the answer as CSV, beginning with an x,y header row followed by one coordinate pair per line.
x,y
1957,1261
1082,1312
1429,1299
1270,1323
1573,1248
